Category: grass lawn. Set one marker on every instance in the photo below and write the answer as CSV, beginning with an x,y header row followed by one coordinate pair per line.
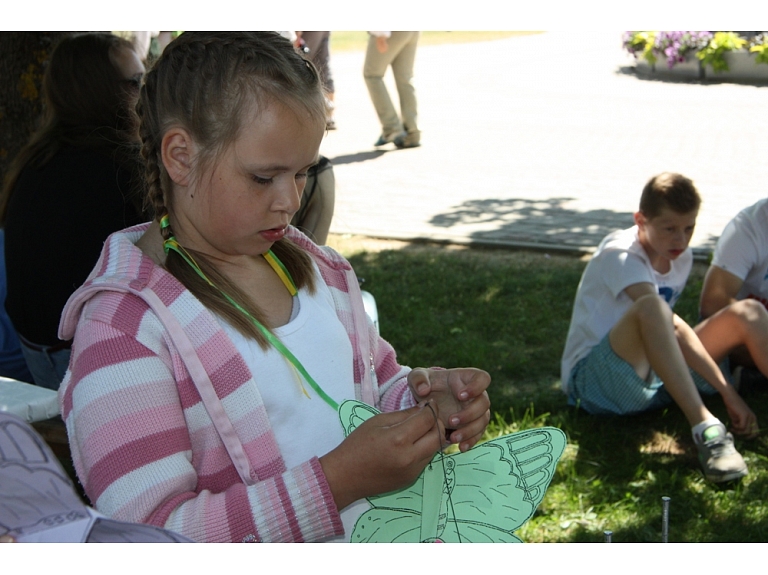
x,y
351,41
507,312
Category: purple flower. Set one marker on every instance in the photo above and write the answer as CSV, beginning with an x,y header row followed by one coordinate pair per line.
x,y
675,46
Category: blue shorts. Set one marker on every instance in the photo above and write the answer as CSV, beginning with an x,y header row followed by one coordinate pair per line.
x,y
603,383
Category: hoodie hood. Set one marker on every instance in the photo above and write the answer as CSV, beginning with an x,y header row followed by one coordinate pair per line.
x,y
124,267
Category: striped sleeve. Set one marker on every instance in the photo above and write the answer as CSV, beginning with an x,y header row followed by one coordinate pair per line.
x,y
394,392
137,457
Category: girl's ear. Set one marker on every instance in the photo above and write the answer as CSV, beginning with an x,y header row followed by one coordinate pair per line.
x,y
177,150
640,220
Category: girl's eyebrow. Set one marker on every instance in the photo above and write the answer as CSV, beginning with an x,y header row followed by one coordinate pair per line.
x,y
281,167
270,167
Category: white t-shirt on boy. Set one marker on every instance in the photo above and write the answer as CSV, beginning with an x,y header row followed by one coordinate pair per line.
x,y
619,262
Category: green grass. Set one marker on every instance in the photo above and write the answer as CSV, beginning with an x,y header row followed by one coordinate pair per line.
x,y
508,312
351,41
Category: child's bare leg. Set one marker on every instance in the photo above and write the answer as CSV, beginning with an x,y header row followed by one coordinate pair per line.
x,y
744,323
698,358
651,336
645,338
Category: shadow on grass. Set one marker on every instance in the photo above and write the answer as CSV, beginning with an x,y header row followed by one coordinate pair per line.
x,y
508,313
475,308
623,467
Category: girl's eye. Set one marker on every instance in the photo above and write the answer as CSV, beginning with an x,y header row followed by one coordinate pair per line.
x,y
262,181
301,176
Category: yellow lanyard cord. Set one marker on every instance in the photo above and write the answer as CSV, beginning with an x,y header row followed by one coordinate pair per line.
x,y
281,271
285,277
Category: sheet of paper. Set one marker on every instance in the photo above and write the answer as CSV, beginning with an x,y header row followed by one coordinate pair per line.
x,y
38,503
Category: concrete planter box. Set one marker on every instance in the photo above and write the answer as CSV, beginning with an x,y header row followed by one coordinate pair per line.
x,y
642,66
691,68
741,66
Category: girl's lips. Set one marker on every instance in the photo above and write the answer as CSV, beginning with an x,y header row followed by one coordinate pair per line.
x,y
273,234
676,252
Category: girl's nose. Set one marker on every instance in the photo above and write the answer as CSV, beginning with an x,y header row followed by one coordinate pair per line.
x,y
289,198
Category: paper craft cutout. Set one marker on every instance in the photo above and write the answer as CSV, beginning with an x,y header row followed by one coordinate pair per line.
x,y
38,502
480,496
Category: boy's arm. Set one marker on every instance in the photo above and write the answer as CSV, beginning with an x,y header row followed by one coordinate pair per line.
x,y
743,419
636,291
719,291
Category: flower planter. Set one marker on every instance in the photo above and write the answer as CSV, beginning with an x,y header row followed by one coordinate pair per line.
x,y
741,66
727,49
691,68
642,66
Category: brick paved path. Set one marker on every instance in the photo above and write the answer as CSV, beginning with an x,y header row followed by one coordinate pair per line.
x,y
527,142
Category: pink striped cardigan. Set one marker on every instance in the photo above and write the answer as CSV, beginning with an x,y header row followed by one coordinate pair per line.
x,y
165,421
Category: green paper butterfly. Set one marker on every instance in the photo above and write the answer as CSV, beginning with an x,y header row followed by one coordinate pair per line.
x,y
480,496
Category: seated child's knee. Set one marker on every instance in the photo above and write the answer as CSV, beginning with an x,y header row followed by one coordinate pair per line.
x,y
651,306
751,311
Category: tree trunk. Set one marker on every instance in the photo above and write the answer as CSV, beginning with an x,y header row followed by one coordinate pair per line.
x,y
23,57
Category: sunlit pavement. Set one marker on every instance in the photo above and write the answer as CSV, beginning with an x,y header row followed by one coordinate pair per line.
x,y
540,140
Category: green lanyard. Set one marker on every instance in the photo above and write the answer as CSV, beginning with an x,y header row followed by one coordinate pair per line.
x,y
285,277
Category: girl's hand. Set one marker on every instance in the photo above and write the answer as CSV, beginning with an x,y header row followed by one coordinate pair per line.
x,y
461,396
385,453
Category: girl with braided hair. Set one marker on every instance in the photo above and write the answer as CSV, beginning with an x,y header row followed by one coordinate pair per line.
x,y
213,345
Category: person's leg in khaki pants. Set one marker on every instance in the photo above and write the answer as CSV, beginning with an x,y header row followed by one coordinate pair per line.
x,y
400,53
402,68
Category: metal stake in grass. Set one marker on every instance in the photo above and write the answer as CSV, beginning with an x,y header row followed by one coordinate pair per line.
x,y
608,535
665,519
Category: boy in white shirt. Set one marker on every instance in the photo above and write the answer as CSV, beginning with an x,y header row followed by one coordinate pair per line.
x,y
627,352
736,285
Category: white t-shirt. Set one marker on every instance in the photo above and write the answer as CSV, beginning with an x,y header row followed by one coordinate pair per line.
x,y
619,262
743,251
306,427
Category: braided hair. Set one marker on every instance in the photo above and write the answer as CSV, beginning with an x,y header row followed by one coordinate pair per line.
x,y
205,82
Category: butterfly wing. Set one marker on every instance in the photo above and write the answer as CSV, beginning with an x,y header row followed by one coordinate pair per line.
x,y
499,484
487,492
402,526
352,414
462,532
387,526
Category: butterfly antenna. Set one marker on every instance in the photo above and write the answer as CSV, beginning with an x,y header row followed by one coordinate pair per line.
x,y
450,499
446,484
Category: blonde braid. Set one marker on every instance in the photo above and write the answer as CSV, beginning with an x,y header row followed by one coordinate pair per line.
x,y
203,82
154,201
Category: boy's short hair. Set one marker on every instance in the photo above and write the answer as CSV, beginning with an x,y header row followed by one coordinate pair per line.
x,y
669,190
